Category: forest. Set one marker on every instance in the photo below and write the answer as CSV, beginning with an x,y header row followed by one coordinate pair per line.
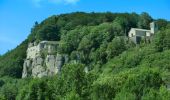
x,y
118,68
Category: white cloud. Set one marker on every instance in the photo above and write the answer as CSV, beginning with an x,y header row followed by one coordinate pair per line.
x,y
38,3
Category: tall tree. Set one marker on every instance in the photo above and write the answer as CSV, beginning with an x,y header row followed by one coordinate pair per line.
x,y
144,20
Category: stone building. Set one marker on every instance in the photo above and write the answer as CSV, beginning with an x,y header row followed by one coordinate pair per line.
x,y
136,34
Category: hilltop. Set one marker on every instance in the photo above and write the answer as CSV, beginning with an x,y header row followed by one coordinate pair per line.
x,y
97,42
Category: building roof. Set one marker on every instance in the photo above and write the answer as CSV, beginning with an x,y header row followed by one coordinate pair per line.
x,y
138,29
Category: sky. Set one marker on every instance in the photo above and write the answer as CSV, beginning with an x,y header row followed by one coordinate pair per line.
x,y
17,17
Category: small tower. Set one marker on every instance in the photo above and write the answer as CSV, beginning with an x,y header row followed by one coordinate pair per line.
x,y
154,27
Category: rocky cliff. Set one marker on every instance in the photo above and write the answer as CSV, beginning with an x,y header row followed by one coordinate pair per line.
x,y
43,60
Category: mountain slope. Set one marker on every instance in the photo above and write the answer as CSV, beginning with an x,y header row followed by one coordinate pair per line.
x,y
118,69
55,27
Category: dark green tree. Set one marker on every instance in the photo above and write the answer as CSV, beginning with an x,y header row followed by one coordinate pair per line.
x,y
144,20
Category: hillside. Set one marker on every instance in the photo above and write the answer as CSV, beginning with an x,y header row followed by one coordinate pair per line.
x,y
117,68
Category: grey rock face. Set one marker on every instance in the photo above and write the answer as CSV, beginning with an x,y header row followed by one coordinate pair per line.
x,y
66,58
26,68
38,65
51,49
51,68
38,71
38,61
59,62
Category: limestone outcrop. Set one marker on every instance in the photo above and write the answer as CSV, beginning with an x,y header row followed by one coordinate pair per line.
x,y
43,60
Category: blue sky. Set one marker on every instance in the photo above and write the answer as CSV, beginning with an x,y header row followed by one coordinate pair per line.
x,y
18,16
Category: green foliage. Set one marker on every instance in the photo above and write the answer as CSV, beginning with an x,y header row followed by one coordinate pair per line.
x,y
74,72
134,81
144,21
161,23
152,94
48,32
12,62
162,40
9,89
72,96
125,95
117,68
116,47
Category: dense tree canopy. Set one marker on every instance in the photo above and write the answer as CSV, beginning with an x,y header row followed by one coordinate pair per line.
x,y
116,67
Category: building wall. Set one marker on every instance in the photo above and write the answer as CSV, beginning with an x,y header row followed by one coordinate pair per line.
x,y
132,33
140,33
153,27
148,34
136,34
